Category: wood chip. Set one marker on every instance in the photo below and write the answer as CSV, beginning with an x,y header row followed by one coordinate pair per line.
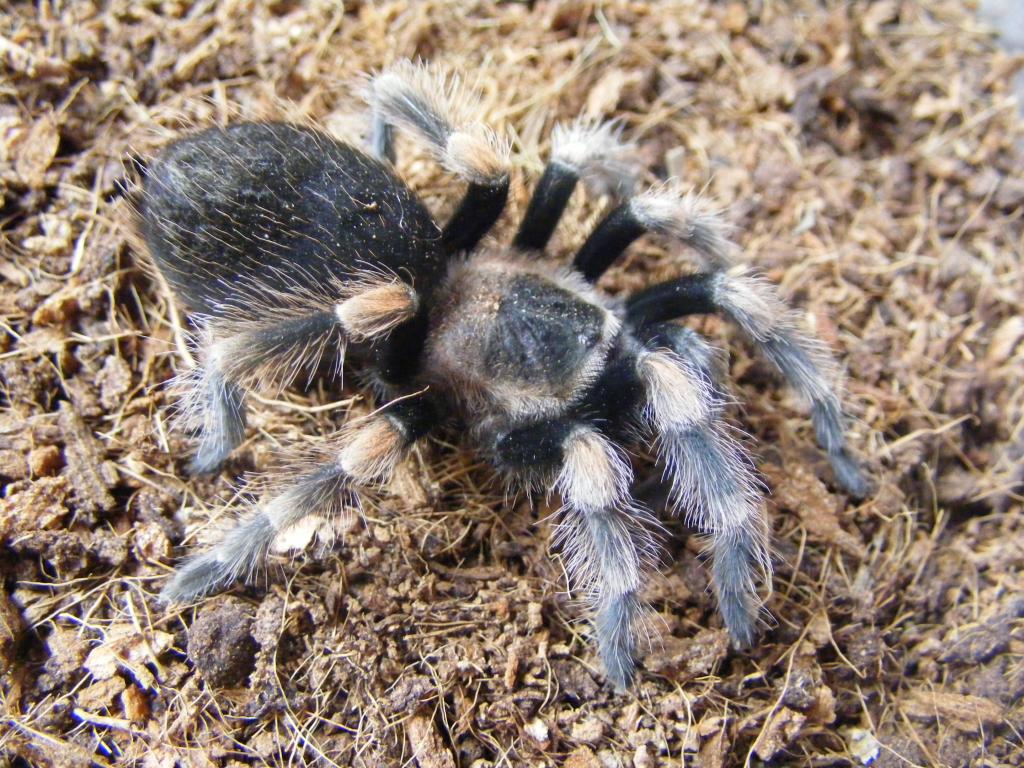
x,y
538,730
800,490
582,757
11,628
135,704
428,749
969,714
90,478
127,649
100,695
782,727
36,150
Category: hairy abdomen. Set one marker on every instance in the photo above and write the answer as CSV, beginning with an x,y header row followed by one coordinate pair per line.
x,y
272,205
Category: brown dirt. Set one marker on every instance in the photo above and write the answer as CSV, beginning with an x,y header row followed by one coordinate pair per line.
x,y
869,156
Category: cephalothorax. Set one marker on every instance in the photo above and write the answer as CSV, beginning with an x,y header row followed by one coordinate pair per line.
x,y
292,248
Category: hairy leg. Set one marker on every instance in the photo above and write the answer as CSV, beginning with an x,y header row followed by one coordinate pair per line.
x,y
437,110
754,305
277,338
362,455
609,542
593,152
211,408
685,218
712,476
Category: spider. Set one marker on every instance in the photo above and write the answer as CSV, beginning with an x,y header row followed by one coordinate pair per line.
x,y
292,248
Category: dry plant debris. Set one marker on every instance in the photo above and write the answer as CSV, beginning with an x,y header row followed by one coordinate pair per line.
x,y
869,154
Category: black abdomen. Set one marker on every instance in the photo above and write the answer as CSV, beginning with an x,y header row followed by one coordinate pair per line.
x,y
278,205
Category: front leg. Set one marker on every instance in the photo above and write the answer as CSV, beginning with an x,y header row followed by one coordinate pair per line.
x,y
712,475
755,305
364,454
610,543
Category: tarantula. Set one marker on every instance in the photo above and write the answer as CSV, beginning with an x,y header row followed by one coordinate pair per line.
x,y
292,247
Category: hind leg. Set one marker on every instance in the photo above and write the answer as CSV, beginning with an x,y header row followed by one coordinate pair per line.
x,y
277,339
440,113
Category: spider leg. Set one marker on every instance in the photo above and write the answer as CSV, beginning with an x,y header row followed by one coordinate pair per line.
x,y
712,475
269,344
685,218
439,112
754,305
584,150
361,455
608,541
382,137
